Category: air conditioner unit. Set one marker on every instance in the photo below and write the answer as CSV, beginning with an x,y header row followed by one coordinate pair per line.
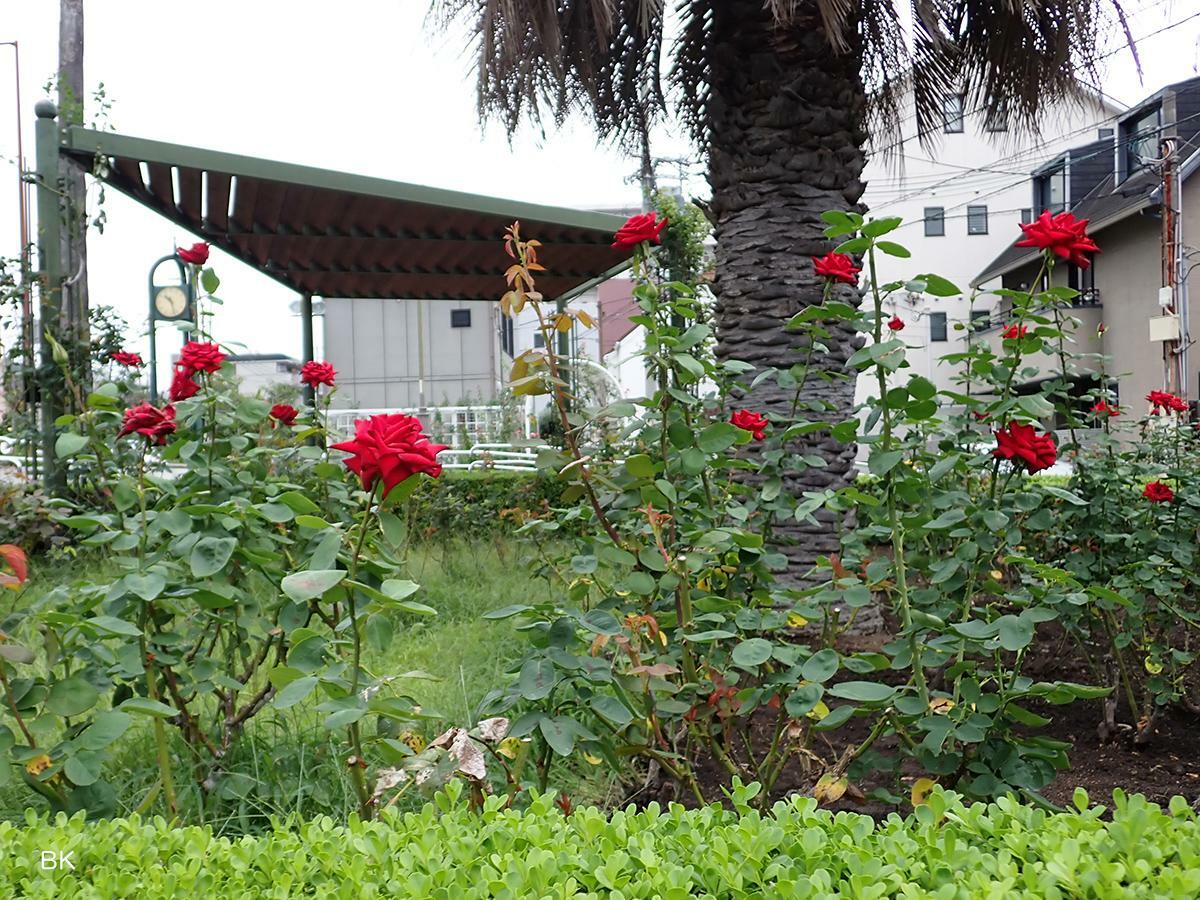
x,y
1164,328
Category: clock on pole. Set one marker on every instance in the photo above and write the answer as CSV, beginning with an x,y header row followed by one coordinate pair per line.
x,y
171,300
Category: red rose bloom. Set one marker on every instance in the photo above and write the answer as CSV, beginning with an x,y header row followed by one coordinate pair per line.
x,y
284,413
753,422
196,255
1103,408
896,323
315,373
1015,332
1161,400
390,448
182,385
836,266
1063,235
128,360
201,357
644,227
1021,444
1157,492
145,419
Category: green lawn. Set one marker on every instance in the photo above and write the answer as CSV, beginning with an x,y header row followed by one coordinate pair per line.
x,y
286,762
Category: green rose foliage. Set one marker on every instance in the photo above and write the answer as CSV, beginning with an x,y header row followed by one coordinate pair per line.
x,y
672,636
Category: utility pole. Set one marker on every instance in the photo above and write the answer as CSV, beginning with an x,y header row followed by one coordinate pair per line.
x,y
74,235
1173,380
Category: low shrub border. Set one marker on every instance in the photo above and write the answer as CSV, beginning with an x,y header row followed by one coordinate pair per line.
x,y
944,849
492,501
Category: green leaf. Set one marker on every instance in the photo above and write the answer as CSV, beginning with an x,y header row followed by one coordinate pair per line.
x,y
68,444
701,637
84,767
939,286
71,697
276,512
879,227
863,691
506,612
295,691
209,281
146,586
311,583
113,625
717,437
821,666
883,462
976,629
15,653
803,699
893,249
1015,633
945,520
106,727
612,709
211,554
600,621
640,466
299,503
559,734
752,652
537,679
147,707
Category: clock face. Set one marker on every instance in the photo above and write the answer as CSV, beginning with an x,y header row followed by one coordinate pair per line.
x,y
171,302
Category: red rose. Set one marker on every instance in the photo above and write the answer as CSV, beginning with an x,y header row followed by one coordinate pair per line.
x,y
1020,443
1104,409
284,413
201,357
1063,235
836,266
753,422
1164,401
1015,332
128,360
145,419
197,254
315,373
1157,492
644,227
182,385
896,324
390,448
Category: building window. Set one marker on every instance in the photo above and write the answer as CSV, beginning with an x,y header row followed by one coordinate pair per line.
x,y
997,117
952,113
1084,281
460,318
937,326
506,335
1050,190
1140,139
539,340
1026,216
977,220
1105,133
981,319
935,221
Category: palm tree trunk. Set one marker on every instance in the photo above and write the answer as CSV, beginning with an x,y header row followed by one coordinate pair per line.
x,y
787,128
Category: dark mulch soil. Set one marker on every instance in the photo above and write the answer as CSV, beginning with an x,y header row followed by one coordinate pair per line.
x,y
1167,765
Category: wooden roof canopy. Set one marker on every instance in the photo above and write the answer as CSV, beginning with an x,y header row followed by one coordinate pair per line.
x,y
334,234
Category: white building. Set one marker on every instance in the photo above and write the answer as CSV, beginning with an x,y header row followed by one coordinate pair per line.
x,y
259,371
962,201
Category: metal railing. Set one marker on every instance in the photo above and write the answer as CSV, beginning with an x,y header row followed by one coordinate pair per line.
x,y
460,427
502,457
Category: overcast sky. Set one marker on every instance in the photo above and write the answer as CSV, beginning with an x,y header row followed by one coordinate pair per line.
x,y
362,86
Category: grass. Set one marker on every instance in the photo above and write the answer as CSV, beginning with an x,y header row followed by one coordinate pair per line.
x,y
286,762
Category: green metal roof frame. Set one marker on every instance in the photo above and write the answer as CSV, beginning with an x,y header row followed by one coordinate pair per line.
x,y
579,241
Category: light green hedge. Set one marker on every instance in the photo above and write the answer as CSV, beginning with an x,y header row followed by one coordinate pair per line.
x,y
945,850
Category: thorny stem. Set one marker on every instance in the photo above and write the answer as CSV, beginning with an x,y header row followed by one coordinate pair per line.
x,y
897,529
357,764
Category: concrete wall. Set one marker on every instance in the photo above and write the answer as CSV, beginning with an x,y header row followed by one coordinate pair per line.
x,y
404,353
256,375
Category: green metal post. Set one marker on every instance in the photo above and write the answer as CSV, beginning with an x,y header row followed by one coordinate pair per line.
x,y
306,338
564,353
49,240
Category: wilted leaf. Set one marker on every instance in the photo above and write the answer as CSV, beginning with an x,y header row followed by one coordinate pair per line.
x,y
921,790
466,753
494,729
829,788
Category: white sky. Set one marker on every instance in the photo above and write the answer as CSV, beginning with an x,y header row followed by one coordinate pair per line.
x,y
362,86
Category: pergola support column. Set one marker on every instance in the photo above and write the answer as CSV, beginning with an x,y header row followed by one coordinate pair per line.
x,y
306,339
50,282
